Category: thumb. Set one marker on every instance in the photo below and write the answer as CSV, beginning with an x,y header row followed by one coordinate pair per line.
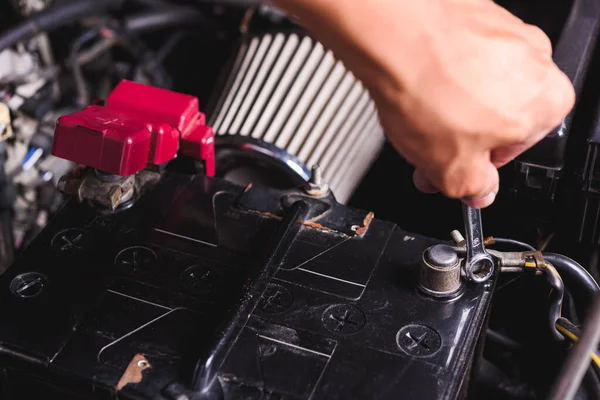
x,y
483,186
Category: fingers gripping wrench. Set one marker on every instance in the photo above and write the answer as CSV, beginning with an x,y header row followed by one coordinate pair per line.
x,y
479,265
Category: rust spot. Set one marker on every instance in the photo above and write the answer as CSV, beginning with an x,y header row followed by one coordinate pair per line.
x,y
133,373
363,229
489,241
316,225
266,214
248,188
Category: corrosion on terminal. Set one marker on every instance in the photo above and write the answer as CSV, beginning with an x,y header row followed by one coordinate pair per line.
x,y
133,373
316,225
367,221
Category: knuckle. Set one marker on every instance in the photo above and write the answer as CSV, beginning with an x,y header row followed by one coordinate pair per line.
x,y
560,99
564,95
519,128
458,183
539,39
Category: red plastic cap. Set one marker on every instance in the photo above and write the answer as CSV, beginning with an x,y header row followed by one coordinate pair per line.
x,y
139,125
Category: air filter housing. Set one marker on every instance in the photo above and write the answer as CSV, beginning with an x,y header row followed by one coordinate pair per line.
x,y
288,98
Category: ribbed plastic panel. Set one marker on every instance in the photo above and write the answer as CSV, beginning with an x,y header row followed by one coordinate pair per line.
x,y
289,90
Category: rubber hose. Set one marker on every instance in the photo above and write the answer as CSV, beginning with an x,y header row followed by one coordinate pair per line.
x,y
55,17
556,298
582,285
178,16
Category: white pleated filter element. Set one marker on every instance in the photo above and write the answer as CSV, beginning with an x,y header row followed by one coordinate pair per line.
x,y
289,90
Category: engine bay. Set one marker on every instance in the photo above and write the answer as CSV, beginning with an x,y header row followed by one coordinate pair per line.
x,y
197,200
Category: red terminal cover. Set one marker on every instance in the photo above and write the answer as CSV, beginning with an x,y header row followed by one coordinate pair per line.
x,y
138,125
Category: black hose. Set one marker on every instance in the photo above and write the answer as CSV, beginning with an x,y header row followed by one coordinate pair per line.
x,y
578,360
556,298
235,3
513,242
582,285
175,17
55,17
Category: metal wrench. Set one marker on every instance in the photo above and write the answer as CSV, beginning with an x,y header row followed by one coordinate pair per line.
x,y
479,265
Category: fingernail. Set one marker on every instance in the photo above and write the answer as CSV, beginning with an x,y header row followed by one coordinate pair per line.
x,y
481,202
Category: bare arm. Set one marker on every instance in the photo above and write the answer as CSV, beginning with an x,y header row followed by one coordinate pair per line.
x,y
462,86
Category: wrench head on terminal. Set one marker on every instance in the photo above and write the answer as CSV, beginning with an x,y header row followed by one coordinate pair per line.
x,y
479,264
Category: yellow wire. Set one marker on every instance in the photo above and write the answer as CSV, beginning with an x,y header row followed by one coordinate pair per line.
x,y
574,338
561,328
530,264
554,271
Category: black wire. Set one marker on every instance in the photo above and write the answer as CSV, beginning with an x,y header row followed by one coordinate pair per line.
x,y
556,297
168,47
55,17
513,242
502,339
121,38
582,286
569,326
578,360
175,17
83,97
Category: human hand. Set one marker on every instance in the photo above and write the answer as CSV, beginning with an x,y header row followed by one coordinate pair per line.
x,y
462,87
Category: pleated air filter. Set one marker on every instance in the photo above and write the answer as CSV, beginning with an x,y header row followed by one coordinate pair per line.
x,y
288,97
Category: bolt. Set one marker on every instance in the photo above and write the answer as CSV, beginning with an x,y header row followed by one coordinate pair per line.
x,y
276,299
70,241
457,237
315,185
316,176
28,285
343,319
418,340
136,259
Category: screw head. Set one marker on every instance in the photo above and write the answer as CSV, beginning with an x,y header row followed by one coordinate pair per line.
x,y
276,299
418,340
199,279
343,319
28,284
136,259
72,241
